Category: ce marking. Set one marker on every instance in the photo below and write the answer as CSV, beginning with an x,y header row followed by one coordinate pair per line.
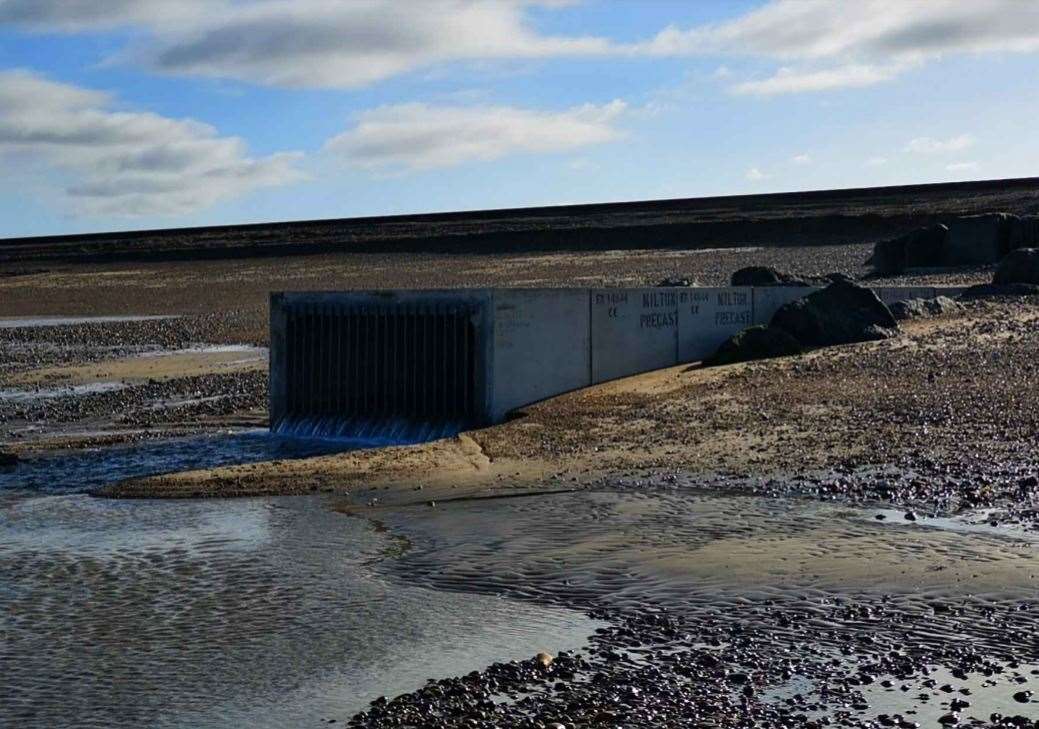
x,y
613,313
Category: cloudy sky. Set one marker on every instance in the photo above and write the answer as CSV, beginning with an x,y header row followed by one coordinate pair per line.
x,y
119,114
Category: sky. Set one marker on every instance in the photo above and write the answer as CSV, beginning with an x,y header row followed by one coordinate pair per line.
x,y
128,114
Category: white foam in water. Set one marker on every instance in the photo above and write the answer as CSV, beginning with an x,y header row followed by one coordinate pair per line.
x,y
368,431
49,393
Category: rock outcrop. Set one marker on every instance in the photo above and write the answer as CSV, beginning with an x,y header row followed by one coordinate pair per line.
x,y
922,248
842,313
971,240
978,239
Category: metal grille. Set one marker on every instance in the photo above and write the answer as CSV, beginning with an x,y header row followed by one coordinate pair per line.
x,y
380,361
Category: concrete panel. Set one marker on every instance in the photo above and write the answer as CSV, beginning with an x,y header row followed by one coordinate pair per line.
x,y
633,330
769,299
891,294
541,346
709,316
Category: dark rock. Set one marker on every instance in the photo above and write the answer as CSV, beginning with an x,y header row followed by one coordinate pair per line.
x,y
1024,233
987,291
923,308
978,239
920,249
1018,267
754,343
8,460
837,276
766,276
841,313
675,281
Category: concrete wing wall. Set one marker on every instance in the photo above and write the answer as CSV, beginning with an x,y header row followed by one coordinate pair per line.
x,y
541,346
633,330
709,316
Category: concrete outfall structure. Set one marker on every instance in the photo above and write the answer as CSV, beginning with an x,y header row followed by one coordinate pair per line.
x,y
386,360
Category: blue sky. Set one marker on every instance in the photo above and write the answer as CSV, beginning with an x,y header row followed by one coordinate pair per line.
x,y
152,113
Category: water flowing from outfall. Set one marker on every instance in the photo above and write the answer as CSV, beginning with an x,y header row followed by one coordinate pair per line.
x,y
363,431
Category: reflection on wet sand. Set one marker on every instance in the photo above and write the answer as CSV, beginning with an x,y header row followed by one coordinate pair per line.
x,y
258,612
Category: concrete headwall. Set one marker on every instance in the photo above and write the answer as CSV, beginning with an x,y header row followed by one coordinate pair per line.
x,y
536,343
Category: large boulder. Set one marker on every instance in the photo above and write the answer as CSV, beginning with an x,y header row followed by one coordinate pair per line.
x,y
841,313
979,239
766,276
1024,233
757,342
923,248
1019,267
923,308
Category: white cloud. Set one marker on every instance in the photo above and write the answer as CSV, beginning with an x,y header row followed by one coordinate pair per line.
x,y
422,137
961,166
930,145
315,43
121,162
822,44
755,175
788,80
72,16
854,44
801,159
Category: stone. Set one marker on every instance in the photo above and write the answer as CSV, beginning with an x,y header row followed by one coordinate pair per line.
x,y
1018,267
759,342
978,239
923,308
8,460
922,248
766,276
842,313
676,281
544,659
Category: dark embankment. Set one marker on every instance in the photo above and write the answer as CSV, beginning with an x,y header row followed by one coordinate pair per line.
x,y
799,218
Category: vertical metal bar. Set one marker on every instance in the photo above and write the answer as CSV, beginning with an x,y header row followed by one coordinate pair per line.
x,y
290,346
305,360
427,350
452,367
467,382
406,372
355,361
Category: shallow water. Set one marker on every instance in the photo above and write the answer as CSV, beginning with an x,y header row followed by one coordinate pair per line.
x,y
251,612
57,321
88,469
